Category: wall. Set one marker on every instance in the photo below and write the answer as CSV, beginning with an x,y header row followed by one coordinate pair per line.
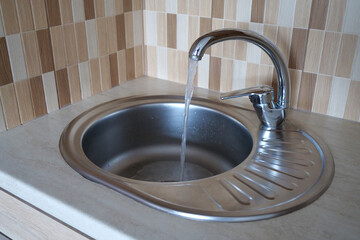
x,y
319,39
56,52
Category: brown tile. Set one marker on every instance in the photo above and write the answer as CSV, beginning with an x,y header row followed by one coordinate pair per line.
x,y
31,53
129,30
352,109
139,66
89,8
112,35
298,47
102,36
81,42
74,83
39,14
215,73
271,11
44,44
119,7
306,93
95,76
23,96
5,68
70,45
10,19
130,64
171,31
322,94
257,11
182,7
313,50
295,77
329,53
205,25
335,15
105,73
10,106
66,11
120,31
25,15
99,8
121,55
319,9
270,32
217,9
114,70
346,55
161,29
62,86
38,96
127,5
53,12
58,47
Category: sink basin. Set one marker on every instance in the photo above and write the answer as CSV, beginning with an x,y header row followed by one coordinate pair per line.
x,y
234,170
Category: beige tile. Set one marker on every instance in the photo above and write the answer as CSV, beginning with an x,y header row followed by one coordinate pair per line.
x,y
183,6
121,66
302,14
217,49
58,47
85,81
217,9
39,14
306,93
352,109
151,58
171,30
112,37
295,77
10,19
298,47
313,50
139,68
346,55
230,9
127,5
99,8
194,29
23,96
265,75
70,45
38,96
137,5
81,43
150,5
2,119
172,65
229,46
215,73
32,55
129,30
51,97
183,63
66,11
105,73
283,41
74,83
9,106
322,94
257,11
330,53
25,15
271,11
241,46
79,12
205,8
194,7
338,96
319,9
95,76
252,75
226,75
335,15
271,33
161,29
102,36
130,63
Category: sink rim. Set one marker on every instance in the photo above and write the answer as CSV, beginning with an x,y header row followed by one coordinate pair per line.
x,y
126,186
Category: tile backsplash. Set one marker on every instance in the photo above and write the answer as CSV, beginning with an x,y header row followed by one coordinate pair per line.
x,y
318,38
56,52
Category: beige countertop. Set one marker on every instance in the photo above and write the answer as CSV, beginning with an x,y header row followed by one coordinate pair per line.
x,y
31,168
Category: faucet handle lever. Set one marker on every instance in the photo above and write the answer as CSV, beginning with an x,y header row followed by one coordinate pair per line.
x,y
262,90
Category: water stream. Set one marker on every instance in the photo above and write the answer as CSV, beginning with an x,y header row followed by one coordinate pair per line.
x,y
188,95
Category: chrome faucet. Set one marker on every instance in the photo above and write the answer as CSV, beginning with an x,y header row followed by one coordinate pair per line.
x,y
271,114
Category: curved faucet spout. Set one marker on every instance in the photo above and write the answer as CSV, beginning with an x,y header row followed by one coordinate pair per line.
x,y
267,110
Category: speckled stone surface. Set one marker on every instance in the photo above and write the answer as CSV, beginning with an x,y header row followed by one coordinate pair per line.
x,y
31,167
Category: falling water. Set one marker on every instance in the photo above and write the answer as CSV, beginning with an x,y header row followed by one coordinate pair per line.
x,y
188,94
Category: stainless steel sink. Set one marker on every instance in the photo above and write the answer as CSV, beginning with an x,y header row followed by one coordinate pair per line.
x,y
235,170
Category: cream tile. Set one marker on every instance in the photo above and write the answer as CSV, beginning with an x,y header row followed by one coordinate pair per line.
x,y
313,51
78,10
204,71
243,10
17,58
138,28
182,32
253,52
150,28
171,6
2,119
352,20
239,75
85,81
194,29
286,13
322,94
151,57
109,8
338,96
91,37
51,98
162,63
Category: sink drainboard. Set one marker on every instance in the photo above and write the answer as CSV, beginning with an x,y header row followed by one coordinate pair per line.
x,y
235,171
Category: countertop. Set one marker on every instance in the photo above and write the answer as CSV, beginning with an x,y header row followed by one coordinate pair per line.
x,y
32,168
